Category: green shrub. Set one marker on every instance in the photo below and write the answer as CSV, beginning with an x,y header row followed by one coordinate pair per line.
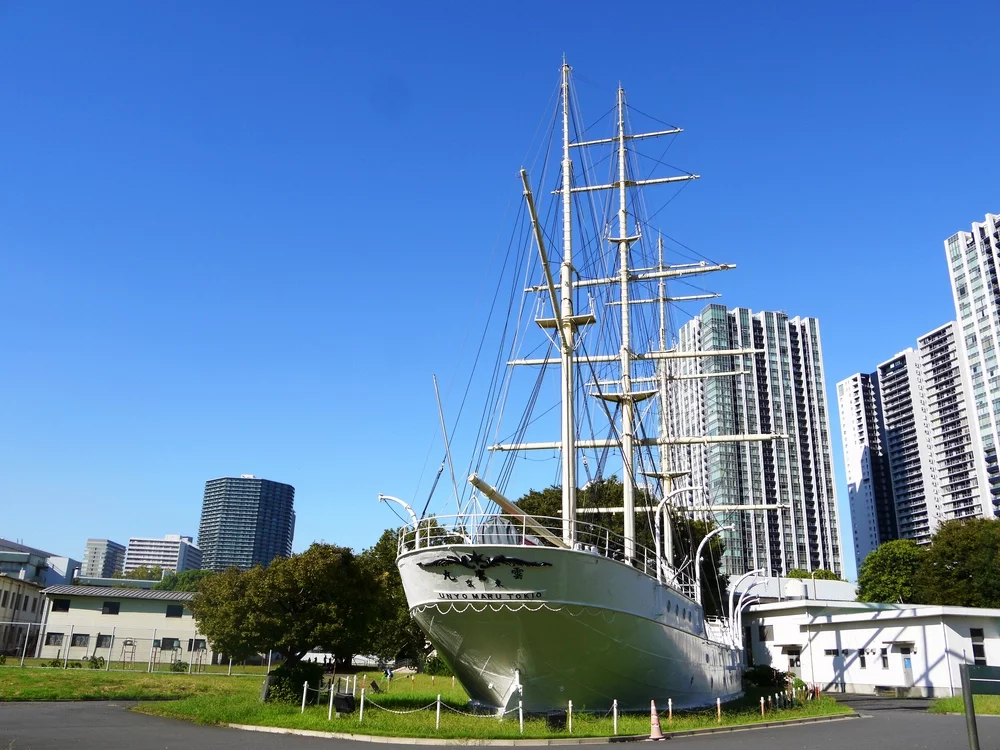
x,y
75,665
763,676
55,663
287,680
96,662
435,665
179,666
3,659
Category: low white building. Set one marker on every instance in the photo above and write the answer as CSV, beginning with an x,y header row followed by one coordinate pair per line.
x,y
855,647
129,627
173,552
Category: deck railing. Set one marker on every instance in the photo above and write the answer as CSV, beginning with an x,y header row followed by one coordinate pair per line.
x,y
535,531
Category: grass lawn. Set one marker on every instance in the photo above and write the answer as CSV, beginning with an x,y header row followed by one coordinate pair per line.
x,y
243,708
13,661
89,684
985,704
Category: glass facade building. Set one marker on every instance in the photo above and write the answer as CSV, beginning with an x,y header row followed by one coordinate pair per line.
x,y
245,521
779,389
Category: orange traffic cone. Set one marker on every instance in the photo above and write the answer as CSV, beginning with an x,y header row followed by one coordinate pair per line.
x,y
654,723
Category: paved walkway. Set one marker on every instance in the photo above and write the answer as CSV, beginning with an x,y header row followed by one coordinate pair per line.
x,y
888,724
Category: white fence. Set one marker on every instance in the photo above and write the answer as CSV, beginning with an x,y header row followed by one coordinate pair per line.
x,y
120,648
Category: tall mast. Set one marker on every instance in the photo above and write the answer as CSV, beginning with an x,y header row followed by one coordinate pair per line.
x,y
628,405
568,337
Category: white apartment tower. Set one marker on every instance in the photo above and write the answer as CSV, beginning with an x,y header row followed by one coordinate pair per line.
x,y
908,443
781,389
172,552
958,460
915,406
973,259
869,487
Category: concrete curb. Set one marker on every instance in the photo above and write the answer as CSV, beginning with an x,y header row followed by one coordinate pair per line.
x,y
536,742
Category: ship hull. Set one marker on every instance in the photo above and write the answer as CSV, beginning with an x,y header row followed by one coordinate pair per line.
x,y
546,625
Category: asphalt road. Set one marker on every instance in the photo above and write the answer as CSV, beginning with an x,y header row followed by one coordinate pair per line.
x,y
887,724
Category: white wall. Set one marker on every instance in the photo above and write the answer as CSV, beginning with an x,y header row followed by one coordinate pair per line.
x,y
938,639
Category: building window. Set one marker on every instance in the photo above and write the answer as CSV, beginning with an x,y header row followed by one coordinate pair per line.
x,y
170,644
175,610
111,608
53,639
765,633
978,646
60,605
34,604
4,603
103,641
80,639
196,644
862,660
831,652
794,659
885,658
25,607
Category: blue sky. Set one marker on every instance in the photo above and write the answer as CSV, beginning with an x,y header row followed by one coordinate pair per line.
x,y
239,237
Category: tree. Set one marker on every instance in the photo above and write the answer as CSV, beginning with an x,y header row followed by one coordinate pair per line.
x,y
189,580
142,573
887,573
687,533
391,632
321,598
820,574
962,566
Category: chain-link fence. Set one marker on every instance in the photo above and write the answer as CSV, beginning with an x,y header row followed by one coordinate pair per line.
x,y
80,645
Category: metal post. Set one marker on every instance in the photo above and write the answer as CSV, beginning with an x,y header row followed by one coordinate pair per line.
x,y
329,714
66,656
437,717
111,649
269,661
149,663
718,710
762,706
569,717
670,709
354,687
305,688
27,637
520,716
970,707
614,713
230,673
361,716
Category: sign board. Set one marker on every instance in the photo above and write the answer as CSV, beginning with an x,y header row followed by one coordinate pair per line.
x,y
984,680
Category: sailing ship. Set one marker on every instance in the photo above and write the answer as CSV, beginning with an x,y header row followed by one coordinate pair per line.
x,y
547,610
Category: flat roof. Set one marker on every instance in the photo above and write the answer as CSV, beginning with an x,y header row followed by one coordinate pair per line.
x,y
107,592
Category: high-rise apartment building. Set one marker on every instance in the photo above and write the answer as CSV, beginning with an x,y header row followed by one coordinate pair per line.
x,y
172,552
780,389
246,521
958,460
908,443
915,407
102,558
973,260
869,486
